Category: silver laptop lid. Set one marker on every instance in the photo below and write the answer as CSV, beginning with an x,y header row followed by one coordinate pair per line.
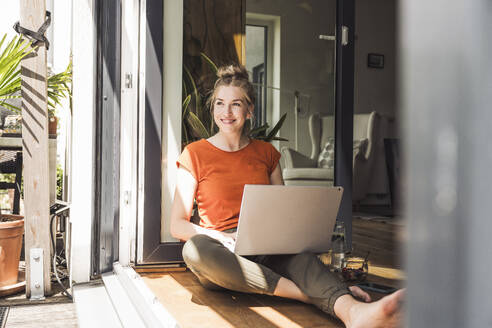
x,y
277,219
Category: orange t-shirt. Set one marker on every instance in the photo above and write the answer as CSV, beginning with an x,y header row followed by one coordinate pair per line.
x,y
221,177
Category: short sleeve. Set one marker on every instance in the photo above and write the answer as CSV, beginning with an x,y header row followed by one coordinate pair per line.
x,y
274,158
188,161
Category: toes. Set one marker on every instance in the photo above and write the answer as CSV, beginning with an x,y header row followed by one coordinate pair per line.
x,y
358,292
391,303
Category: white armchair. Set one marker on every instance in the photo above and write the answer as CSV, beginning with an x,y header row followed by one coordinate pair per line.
x,y
303,170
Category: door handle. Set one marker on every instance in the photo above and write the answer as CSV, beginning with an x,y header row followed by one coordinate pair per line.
x,y
327,37
345,36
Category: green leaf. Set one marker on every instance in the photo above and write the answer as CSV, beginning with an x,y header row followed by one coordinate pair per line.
x,y
210,63
10,81
3,39
197,126
277,127
185,89
259,129
13,108
185,132
279,139
193,85
9,65
186,103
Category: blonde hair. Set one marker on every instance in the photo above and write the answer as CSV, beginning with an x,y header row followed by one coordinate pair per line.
x,y
235,76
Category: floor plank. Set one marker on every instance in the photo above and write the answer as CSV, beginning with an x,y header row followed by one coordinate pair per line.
x,y
49,315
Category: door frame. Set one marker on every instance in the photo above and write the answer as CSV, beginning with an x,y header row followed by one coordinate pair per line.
x,y
158,22
129,129
344,111
155,106
105,231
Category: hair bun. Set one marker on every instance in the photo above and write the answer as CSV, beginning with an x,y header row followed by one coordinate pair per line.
x,y
233,72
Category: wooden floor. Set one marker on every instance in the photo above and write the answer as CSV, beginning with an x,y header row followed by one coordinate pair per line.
x,y
193,306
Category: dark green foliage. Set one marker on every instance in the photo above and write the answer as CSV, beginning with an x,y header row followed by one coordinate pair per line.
x,y
59,182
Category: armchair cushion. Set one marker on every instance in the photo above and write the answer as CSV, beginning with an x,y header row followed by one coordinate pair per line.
x,y
326,158
294,159
318,168
308,174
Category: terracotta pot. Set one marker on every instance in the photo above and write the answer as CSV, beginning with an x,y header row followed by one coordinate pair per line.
x,y
52,124
11,233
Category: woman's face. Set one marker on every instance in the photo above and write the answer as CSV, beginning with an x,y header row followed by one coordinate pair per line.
x,y
231,110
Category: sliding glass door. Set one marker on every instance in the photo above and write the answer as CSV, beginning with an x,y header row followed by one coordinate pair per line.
x,y
293,55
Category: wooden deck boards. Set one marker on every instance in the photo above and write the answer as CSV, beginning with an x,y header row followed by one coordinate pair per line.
x,y
37,316
194,306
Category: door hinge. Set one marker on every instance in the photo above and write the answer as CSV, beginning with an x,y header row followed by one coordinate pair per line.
x,y
345,35
127,196
128,80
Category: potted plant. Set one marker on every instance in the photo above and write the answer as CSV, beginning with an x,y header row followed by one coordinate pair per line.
x,y
10,79
11,231
58,88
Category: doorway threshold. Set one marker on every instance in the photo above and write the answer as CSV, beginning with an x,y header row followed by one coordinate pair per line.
x,y
122,299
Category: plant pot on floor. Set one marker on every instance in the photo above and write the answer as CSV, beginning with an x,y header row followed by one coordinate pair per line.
x,y
11,232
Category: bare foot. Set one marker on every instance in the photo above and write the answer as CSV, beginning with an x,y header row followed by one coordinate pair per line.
x,y
384,313
359,293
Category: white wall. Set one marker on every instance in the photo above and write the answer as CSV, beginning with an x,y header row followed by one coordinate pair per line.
x,y
8,16
375,89
375,29
306,63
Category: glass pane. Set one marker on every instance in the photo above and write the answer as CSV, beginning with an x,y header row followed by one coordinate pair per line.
x,y
284,45
291,41
256,54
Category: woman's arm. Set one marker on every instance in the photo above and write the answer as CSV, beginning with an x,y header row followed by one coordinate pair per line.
x,y
276,176
181,227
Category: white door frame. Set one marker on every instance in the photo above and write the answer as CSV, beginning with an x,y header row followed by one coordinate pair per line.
x,y
83,136
129,129
171,113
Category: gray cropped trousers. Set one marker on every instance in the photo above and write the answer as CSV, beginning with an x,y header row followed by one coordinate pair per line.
x,y
216,268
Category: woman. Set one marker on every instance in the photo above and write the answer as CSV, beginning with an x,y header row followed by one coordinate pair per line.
x,y
213,171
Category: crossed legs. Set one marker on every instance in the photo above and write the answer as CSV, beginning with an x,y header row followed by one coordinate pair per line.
x,y
301,277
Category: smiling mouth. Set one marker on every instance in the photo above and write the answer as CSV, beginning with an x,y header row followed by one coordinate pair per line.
x,y
227,121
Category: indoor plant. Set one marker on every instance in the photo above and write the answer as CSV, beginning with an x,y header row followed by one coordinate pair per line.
x,y
10,78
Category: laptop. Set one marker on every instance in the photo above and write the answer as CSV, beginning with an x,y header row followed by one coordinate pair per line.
x,y
277,219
